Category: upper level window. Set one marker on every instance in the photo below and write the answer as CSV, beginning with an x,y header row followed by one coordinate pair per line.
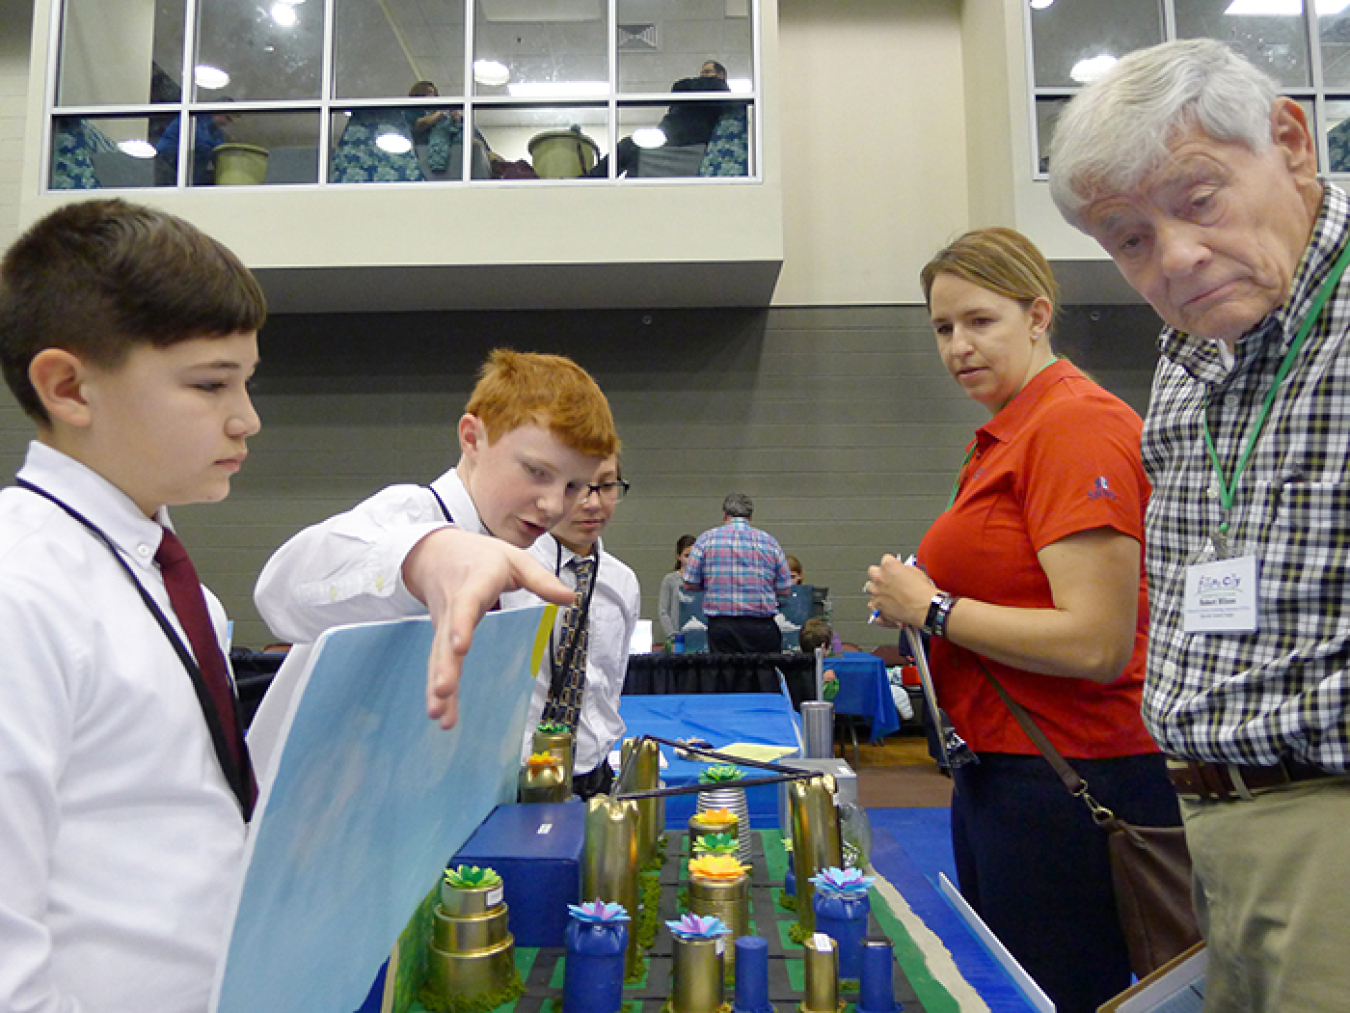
x,y
220,92
1306,49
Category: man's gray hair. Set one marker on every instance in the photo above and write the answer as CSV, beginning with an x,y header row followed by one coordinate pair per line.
x,y
1117,130
738,504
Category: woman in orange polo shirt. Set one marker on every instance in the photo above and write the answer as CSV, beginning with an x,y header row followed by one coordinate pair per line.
x,y
1035,571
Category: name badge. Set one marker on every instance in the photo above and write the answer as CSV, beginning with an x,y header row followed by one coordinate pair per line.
x,y
1221,596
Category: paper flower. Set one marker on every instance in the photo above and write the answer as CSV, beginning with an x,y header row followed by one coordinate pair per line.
x,y
692,926
544,759
716,844
552,727
716,867
598,912
716,817
470,877
719,774
842,881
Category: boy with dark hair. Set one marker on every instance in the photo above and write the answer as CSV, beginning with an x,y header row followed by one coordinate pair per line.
x,y
532,436
128,337
582,681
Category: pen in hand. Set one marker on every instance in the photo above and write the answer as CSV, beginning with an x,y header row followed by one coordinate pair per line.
x,y
910,560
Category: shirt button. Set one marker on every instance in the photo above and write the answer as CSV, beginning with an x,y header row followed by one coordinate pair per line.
x,y
1231,400
143,551
1169,669
1212,492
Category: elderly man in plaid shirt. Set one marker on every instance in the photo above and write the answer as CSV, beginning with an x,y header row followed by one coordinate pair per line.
x,y
1201,183
743,573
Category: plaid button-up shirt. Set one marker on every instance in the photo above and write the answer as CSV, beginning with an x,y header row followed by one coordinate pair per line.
x,y
1282,690
740,568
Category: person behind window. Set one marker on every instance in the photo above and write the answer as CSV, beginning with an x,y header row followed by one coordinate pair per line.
x,y
208,133
685,123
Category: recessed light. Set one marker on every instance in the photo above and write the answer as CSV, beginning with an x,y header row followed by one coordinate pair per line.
x,y
284,14
1087,71
649,137
209,77
393,142
491,73
136,148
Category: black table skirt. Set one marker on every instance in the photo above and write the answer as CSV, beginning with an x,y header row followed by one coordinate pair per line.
x,y
721,673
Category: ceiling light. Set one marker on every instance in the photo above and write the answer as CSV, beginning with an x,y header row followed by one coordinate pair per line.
x,y
393,142
1268,8
649,137
136,148
284,14
209,77
1040,5
558,89
1087,71
490,73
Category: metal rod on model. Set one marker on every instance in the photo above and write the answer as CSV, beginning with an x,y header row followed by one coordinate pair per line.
x,y
745,782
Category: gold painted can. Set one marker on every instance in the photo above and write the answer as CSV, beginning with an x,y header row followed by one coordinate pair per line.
x,y
469,933
729,900
610,869
646,776
697,975
541,782
815,840
560,745
460,976
700,826
822,975
471,900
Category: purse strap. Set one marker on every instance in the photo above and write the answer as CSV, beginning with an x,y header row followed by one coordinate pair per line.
x,y
1073,783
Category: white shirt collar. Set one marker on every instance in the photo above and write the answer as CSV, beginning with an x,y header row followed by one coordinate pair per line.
x,y
102,503
450,488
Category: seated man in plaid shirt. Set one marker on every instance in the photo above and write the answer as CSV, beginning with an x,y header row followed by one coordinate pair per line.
x,y
743,573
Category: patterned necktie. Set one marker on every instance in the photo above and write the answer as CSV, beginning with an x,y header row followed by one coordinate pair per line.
x,y
185,595
564,706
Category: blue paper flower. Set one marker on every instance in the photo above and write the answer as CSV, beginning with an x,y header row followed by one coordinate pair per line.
x,y
598,912
692,926
843,881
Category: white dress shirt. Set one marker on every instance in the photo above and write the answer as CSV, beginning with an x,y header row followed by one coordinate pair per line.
x,y
615,605
121,842
349,569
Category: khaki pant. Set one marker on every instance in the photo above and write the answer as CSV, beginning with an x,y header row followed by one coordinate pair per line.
x,y
1273,895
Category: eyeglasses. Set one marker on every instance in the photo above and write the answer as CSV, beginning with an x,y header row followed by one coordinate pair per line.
x,y
610,492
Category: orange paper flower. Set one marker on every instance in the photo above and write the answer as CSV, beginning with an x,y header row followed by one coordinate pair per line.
x,y
716,817
721,867
540,760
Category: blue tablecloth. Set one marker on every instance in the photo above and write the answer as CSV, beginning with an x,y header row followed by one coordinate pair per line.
x,y
865,691
721,718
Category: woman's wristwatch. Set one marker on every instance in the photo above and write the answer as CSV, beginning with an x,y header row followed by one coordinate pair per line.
x,y
939,609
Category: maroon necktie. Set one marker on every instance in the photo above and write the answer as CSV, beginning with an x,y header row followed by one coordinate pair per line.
x,y
185,595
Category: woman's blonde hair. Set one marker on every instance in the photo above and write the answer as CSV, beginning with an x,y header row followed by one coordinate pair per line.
x,y
1000,260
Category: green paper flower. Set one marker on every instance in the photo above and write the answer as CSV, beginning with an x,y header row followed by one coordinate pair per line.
x,y
715,844
471,877
552,727
719,774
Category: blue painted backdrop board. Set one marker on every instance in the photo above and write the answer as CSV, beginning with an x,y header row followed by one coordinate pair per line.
x,y
370,800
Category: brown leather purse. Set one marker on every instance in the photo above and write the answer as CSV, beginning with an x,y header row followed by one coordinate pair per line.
x,y
1150,866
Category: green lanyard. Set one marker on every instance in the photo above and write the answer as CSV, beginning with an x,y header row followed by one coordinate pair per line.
x,y
961,472
1227,489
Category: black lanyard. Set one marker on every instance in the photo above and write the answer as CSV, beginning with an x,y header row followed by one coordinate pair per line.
x,y
224,753
561,665
444,509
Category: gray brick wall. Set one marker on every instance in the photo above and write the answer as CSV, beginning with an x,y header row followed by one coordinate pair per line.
x,y
840,422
